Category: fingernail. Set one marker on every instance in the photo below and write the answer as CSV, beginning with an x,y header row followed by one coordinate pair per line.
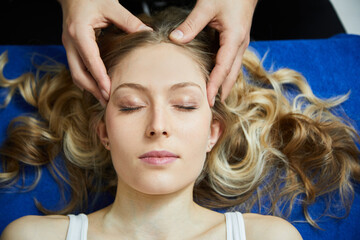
x,y
177,34
102,102
105,94
145,28
213,101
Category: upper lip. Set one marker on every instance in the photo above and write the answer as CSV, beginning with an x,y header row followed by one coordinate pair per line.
x,y
158,154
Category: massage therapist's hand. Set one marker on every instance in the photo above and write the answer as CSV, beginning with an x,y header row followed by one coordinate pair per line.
x,y
232,19
80,18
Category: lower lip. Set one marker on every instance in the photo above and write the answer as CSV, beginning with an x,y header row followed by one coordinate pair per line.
x,y
158,160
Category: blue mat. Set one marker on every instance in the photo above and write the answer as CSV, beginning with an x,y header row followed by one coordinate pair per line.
x,y
331,66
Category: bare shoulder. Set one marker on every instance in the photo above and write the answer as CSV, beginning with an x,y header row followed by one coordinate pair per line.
x,y
37,227
269,228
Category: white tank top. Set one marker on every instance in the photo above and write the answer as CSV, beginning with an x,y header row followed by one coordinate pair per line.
x,y
235,227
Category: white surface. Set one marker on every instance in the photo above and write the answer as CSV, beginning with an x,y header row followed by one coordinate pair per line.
x,y
349,14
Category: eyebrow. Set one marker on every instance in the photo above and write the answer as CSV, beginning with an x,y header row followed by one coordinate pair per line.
x,y
144,89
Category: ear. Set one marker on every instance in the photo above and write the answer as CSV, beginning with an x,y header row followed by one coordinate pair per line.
x,y
102,134
215,133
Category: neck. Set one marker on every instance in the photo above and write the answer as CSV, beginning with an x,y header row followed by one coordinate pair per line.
x,y
143,216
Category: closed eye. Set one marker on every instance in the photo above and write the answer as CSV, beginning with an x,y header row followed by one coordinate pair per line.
x,y
133,109
185,108
129,109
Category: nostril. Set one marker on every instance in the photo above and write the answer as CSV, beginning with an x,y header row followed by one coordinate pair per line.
x,y
153,133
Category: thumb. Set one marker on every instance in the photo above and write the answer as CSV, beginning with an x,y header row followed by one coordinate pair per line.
x,y
193,24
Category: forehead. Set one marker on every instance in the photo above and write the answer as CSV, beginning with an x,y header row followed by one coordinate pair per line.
x,y
157,65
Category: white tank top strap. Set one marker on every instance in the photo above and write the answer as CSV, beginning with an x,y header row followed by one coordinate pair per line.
x,y
78,227
235,226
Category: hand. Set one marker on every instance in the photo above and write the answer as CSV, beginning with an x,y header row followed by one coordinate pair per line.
x,y
80,18
232,19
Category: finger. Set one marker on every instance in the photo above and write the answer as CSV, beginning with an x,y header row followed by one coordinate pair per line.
x,y
225,58
235,70
125,20
90,56
232,77
80,75
199,17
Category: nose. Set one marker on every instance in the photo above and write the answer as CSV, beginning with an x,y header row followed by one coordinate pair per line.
x,y
157,125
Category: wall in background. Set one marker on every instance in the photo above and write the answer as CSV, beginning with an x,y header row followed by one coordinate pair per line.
x,y
349,14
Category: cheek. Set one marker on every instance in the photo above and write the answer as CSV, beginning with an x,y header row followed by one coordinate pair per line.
x,y
124,134
195,135
195,131
194,142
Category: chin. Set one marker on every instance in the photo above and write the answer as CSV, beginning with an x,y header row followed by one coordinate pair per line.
x,y
157,191
164,187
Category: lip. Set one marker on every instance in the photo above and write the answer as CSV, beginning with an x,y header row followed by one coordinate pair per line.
x,y
158,157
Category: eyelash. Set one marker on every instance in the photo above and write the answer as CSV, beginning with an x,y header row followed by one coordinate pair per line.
x,y
129,109
180,107
185,108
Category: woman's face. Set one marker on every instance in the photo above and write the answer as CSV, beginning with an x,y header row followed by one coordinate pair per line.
x,y
158,122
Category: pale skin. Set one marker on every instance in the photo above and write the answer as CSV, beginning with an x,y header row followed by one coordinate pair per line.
x,y
231,18
163,107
